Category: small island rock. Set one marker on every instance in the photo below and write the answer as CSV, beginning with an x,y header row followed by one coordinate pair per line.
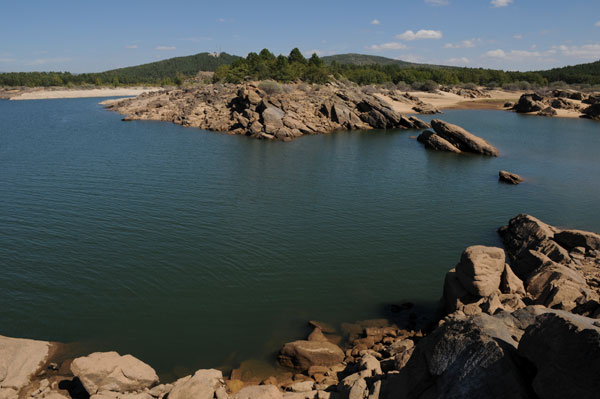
x,y
508,177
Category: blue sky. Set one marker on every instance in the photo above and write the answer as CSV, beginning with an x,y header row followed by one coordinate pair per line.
x,y
91,36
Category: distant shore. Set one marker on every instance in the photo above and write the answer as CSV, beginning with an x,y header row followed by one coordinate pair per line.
x,y
46,93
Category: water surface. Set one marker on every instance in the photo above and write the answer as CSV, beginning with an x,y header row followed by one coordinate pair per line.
x,y
194,249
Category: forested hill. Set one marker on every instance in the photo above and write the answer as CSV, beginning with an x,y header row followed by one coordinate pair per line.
x,y
364,59
168,71
582,73
157,71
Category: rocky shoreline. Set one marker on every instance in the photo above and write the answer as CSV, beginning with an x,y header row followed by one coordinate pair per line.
x,y
267,112
521,321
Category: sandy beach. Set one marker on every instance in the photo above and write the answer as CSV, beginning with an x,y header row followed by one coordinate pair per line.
x,y
46,94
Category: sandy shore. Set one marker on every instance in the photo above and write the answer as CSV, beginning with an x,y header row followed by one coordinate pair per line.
x,y
45,94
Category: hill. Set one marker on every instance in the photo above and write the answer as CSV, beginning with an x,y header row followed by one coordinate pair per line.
x,y
364,59
168,69
582,73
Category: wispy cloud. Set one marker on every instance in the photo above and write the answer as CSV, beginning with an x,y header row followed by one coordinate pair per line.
x,y
519,55
464,44
597,24
518,36
586,51
438,2
45,61
7,60
500,3
387,46
462,60
166,48
221,20
131,46
420,35
375,22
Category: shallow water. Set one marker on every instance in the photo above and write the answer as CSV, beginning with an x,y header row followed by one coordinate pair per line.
x,y
194,249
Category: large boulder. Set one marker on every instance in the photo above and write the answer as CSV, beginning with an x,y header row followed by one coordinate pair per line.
x,y
202,385
462,139
570,239
434,142
592,112
559,287
530,103
301,355
20,359
565,350
109,371
480,269
526,239
466,359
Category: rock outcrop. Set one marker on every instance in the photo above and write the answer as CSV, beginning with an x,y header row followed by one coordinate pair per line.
x,y
109,371
453,138
560,267
249,110
568,101
508,177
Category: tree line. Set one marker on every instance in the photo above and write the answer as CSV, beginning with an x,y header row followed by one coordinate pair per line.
x,y
295,67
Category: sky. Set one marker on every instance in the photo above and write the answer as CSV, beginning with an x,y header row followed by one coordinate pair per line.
x,y
92,36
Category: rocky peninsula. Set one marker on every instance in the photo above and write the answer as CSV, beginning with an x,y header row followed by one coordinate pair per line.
x,y
521,321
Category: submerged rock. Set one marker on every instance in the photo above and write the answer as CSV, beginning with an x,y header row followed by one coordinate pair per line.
x,y
508,177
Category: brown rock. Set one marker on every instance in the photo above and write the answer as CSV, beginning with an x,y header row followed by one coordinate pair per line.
x,y
508,177
433,141
480,269
301,355
462,139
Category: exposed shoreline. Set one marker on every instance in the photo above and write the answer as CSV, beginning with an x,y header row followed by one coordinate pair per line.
x,y
47,94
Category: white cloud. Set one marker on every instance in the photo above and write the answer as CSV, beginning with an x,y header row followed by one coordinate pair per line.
x,y
464,44
500,3
518,55
462,60
221,20
6,60
438,2
420,35
587,51
597,24
166,48
375,22
131,46
518,36
499,53
387,46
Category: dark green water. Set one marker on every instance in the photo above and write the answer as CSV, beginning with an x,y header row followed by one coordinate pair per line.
x,y
193,249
